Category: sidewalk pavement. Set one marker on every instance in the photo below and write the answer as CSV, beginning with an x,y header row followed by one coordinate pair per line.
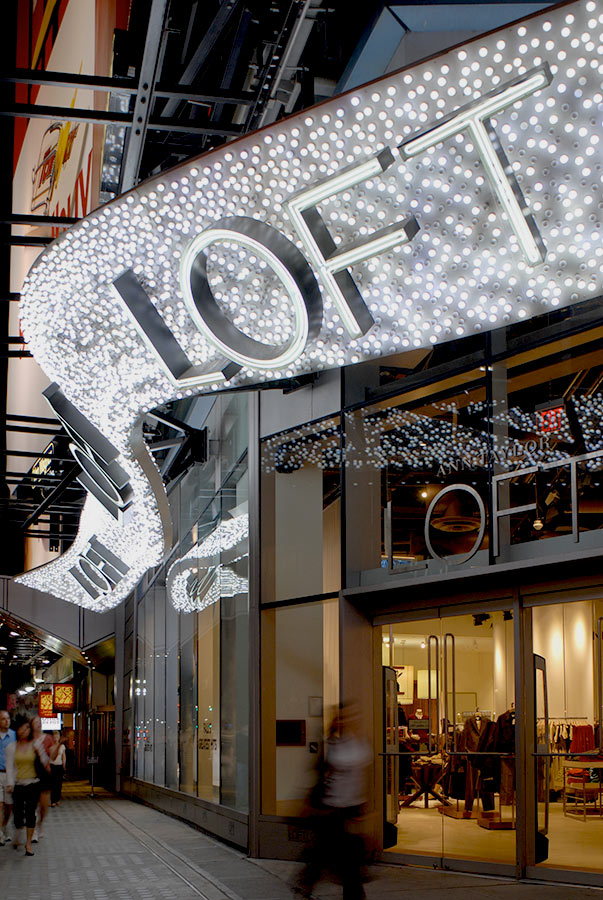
x,y
110,848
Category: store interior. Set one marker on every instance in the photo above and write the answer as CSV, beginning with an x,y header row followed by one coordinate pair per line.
x,y
456,725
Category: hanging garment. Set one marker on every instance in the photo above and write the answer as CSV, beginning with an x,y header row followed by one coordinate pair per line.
x,y
583,739
488,766
470,740
453,782
505,743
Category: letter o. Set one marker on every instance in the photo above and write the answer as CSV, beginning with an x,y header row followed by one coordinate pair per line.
x,y
94,574
465,557
287,263
84,457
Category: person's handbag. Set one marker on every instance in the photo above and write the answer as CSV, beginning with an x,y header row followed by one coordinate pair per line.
x,y
42,771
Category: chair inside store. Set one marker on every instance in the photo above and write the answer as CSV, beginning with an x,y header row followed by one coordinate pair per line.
x,y
582,788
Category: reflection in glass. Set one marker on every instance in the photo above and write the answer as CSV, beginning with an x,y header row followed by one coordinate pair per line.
x,y
191,679
301,509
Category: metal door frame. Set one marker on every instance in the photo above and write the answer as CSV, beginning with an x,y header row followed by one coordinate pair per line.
x,y
529,869
440,614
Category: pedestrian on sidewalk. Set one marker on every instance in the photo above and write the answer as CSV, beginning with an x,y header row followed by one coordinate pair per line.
x,y
23,758
7,736
57,769
69,740
43,742
338,801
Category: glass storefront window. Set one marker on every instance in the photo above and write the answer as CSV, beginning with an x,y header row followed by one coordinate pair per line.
x,y
208,703
191,679
188,724
300,694
300,512
551,420
480,468
416,475
569,764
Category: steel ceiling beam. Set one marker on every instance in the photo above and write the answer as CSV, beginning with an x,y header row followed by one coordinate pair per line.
x,y
32,454
16,240
54,495
240,98
233,59
190,127
22,475
137,125
199,57
122,85
26,429
69,507
69,79
41,420
27,219
66,114
132,156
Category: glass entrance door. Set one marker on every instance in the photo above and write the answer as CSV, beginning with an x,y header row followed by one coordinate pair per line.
x,y
456,738
568,744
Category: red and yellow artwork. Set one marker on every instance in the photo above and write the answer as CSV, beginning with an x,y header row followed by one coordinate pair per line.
x,y
45,705
64,697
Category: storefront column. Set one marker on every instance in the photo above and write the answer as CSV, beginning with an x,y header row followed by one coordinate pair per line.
x,y
500,439
255,772
120,621
524,737
360,661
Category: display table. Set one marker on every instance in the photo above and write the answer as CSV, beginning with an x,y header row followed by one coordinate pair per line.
x,y
585,791
426,776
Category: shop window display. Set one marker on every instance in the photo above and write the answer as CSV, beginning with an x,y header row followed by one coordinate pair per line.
x,y
507,457
450,730
398,461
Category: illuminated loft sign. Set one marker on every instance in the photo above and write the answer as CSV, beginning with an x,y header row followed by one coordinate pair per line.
x,y
499,511
456,196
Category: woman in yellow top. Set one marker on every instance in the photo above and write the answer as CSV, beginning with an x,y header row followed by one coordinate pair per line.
x,y
22,779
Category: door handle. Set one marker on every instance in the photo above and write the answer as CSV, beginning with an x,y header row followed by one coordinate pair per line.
x,y
434,640
449,639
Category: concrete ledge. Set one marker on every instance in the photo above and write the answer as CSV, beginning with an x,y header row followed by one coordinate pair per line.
x,y
227,824
283,839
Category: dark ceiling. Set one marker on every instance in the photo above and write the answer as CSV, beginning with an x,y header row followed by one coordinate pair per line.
x,y
187,77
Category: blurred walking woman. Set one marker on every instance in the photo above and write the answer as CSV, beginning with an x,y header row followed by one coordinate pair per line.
x,y
22,759
57,769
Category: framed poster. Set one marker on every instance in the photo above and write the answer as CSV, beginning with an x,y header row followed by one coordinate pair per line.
x,y
45,704
64,697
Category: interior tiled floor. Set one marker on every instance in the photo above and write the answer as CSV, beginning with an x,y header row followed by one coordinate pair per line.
x,y
573,843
